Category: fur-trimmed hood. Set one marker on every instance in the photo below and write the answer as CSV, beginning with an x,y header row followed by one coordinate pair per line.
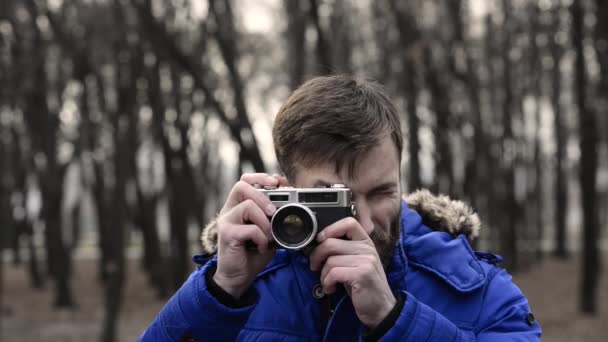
x,y
438,212
443,214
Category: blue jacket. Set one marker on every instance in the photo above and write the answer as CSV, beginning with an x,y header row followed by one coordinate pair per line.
x,y
452,294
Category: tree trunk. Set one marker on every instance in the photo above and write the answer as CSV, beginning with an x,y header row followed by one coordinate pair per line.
x,y
102,195
476,156
588,168
88,135
509,230
296,41
537,190
444,180
37,280
43,125
157,264
601,100
5,210
123,118
226,36
340,29
495,190
152,253
17,167
176,162
323,49
408,36
385,47
561,140
411,93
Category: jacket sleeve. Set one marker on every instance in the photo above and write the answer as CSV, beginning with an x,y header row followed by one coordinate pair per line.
x,y
194,311
505,314
504,317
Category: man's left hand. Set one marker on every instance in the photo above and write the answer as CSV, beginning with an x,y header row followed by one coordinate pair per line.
x,y
353,262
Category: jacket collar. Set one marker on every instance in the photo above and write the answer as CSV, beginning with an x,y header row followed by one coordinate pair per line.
x,y
434,238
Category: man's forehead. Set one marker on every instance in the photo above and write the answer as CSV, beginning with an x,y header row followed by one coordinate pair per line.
x,y
379,165
363,179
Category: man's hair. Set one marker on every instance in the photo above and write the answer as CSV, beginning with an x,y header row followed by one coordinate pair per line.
x,y
334,118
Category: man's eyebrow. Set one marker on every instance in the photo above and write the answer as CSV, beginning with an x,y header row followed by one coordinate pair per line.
x,y
383,187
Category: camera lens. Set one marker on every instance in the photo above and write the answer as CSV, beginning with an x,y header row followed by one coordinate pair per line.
x,y
293,226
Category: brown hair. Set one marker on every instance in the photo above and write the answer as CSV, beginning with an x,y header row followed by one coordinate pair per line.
x,y
333,118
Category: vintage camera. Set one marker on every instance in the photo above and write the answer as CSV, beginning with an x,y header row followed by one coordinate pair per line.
x,y
303,212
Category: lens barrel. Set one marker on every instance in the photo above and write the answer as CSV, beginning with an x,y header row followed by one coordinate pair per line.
x,y
293,226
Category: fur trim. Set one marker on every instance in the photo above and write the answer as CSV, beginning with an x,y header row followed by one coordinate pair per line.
x,y
441,213
209,237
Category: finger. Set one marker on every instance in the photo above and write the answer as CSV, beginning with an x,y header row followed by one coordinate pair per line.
x,y
243,191
263,179
238,237
282,180
336,276
345,261
248,212
348,227
334,246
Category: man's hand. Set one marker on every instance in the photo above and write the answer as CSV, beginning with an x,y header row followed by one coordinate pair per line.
x,y
244,220
354,263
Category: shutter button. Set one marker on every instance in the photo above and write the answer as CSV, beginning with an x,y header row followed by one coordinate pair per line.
x,y
317,292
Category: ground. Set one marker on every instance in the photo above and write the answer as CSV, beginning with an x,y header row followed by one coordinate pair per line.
x,y
551,287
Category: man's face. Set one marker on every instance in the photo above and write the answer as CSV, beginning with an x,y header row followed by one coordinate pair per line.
x,y
375,184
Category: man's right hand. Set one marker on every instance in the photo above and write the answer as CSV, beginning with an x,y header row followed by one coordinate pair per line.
x,y
242,221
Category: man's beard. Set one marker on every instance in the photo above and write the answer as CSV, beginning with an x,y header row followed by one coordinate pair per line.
x,y
385,240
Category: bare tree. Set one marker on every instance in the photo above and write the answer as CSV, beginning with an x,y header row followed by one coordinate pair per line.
x,y
43,125
476,176
323,49
226,36
408,38
588,166
154,257
178,173
165,45
561,184
436,82
342,36
536,192
601,97
296,41
410,88
509,230
123,119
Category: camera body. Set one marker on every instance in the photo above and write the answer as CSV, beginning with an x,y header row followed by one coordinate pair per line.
x,y
303,212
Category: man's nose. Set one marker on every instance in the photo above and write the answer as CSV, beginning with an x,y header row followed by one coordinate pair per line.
x,y
364,216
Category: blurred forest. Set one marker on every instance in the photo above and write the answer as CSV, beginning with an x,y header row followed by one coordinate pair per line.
x,y
123,123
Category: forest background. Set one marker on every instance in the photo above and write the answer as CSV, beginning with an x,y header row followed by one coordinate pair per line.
x,y
123,124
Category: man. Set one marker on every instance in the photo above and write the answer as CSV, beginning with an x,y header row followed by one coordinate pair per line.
x,y
390,273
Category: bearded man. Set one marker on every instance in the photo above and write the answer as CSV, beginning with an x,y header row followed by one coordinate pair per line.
x,y
398,269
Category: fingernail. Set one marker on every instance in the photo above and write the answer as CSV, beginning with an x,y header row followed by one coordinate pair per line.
x,y
270,209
